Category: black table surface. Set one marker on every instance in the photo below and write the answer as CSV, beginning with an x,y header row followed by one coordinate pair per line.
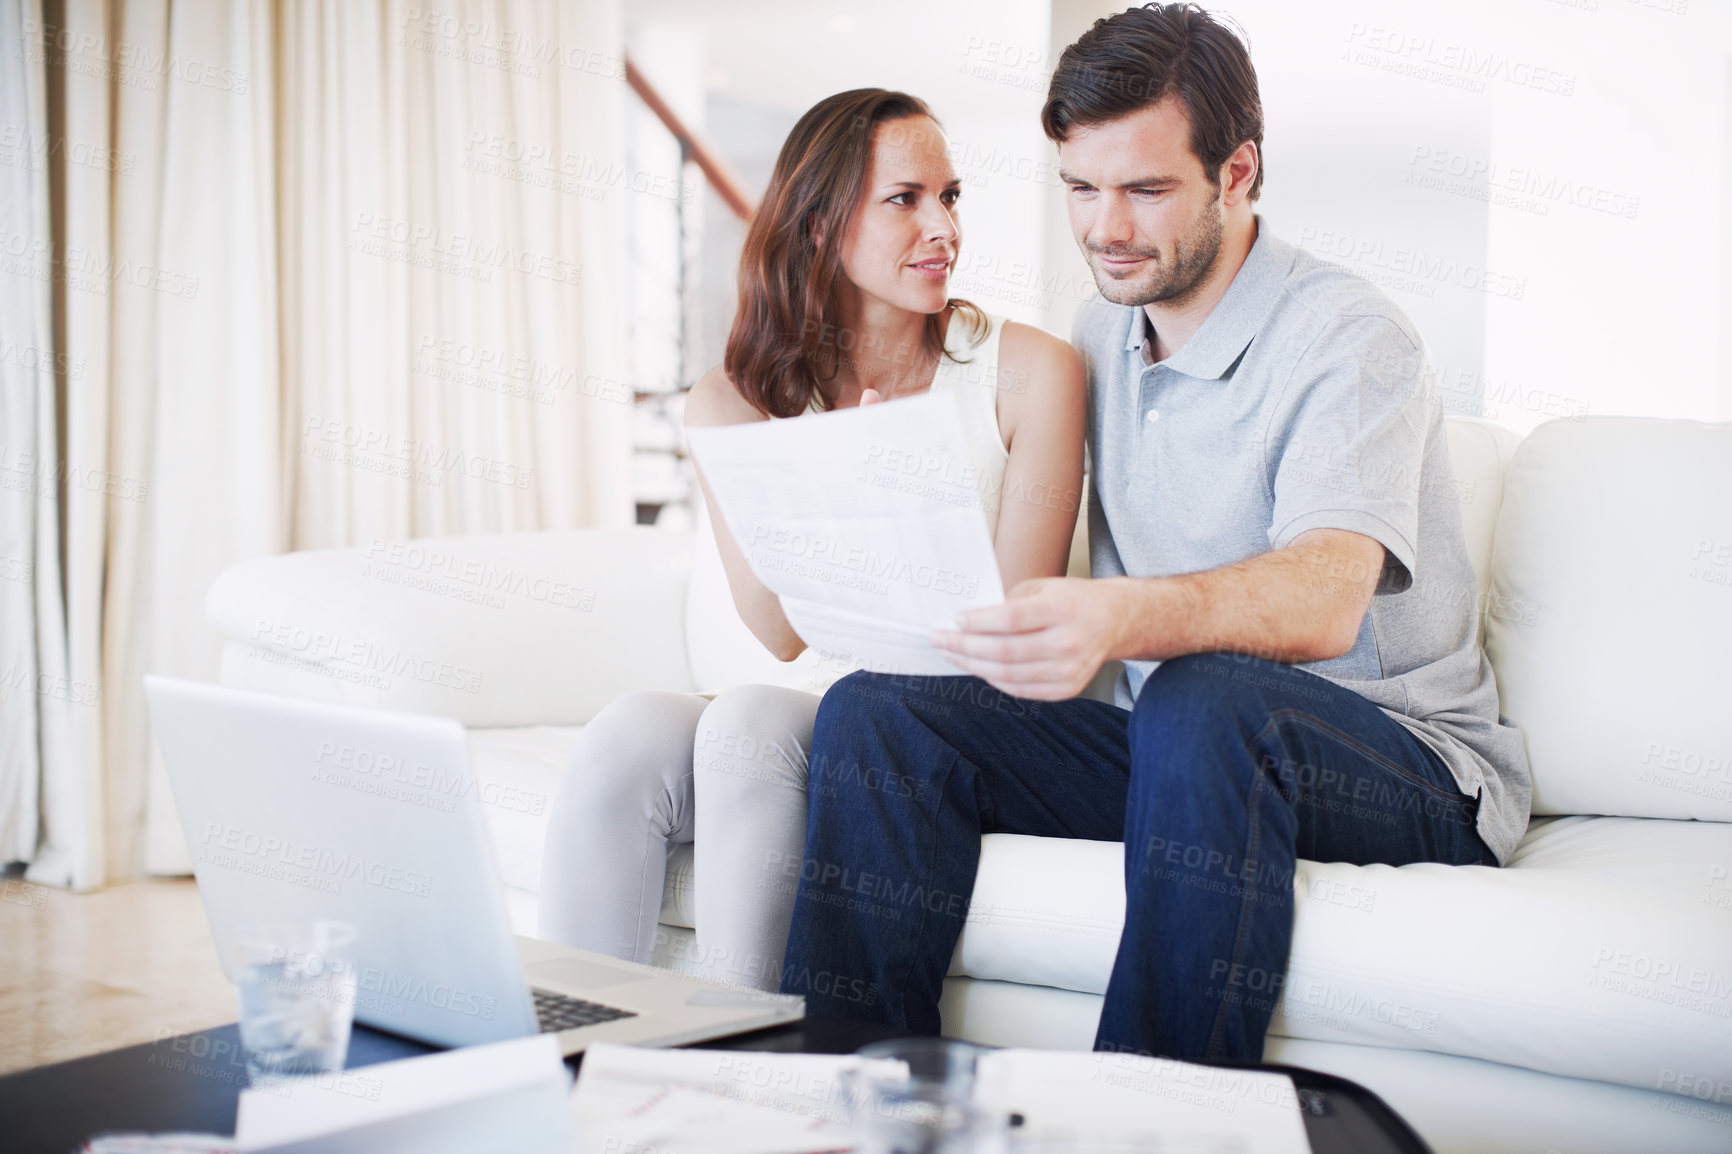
x,y
192,1083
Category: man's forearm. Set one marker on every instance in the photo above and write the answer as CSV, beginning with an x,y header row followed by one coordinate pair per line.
x,y
1299,604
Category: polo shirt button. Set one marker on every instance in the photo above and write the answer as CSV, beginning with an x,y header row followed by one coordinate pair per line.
x,y
1152,416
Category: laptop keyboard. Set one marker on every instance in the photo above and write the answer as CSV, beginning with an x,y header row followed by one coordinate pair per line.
x,y
557,1012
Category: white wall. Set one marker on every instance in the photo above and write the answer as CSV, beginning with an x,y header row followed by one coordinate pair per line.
x,y
1544,185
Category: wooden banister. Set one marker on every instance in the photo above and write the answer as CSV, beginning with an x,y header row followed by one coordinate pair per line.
x,y
717,171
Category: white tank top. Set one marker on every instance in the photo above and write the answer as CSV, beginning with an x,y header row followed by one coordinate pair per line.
x,y
723,652
973,376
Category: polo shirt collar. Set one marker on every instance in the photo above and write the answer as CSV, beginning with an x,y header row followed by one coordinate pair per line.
x,y
1227,331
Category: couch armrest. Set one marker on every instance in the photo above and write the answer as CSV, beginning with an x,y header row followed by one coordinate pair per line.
x,y
494,630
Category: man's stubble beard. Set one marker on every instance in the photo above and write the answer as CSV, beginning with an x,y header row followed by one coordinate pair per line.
x,y
1194,257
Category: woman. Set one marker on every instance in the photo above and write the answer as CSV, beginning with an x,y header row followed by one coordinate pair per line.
x,y
844,301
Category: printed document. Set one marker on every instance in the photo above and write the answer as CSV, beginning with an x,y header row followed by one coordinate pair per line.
x,y
743,1102
868,524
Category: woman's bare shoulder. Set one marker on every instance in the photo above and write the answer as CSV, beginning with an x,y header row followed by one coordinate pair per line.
x,y
1036,350
715,401
1039,376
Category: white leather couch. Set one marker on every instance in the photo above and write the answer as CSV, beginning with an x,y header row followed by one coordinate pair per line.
x,y
1580,999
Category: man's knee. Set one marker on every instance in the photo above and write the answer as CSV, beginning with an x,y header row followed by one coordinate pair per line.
x,y
1187,708
858,742
1201,690
856,694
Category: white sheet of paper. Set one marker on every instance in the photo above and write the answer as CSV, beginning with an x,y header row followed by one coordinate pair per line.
x,y
709,1101
736,1102
869,524
1068,1098
505,1096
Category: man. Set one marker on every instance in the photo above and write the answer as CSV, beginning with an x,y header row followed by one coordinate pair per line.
x,y
1278,560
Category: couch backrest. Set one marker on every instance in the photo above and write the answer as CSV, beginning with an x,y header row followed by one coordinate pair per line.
x,y
1609,620
1480,453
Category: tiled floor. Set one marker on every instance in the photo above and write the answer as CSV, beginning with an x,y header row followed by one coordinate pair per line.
x,y
82,973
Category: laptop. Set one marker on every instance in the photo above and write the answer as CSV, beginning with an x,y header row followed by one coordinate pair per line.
x,y
297,810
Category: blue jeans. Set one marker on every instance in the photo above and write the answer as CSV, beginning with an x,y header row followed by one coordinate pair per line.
x,y
1227,770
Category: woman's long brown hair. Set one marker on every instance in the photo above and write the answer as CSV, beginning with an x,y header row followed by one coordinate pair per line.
x,y
785,341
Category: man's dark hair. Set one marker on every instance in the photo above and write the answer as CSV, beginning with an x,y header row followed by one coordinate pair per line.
x,y
1134,60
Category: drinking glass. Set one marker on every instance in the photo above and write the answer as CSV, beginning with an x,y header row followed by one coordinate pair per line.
x,y
295,982
916,1096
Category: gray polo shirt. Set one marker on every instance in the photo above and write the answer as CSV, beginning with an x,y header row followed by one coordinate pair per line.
x,y
1305,402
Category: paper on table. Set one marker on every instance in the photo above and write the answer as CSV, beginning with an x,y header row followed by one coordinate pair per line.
x,y
732,1102
867,523
505,1096
1073,1101
710,1101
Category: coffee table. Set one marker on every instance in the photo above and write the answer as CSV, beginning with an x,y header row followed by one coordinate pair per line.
x,y
192,1082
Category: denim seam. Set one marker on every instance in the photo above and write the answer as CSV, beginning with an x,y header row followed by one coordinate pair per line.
x,y
1253,839
915,955
1371,754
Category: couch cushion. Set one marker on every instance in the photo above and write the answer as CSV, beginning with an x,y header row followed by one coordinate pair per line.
x,y
518,772
503,629
1610,615
1602,950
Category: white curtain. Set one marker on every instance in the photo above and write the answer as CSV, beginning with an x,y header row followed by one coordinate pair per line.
x,y
332,285
449,316
35,694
